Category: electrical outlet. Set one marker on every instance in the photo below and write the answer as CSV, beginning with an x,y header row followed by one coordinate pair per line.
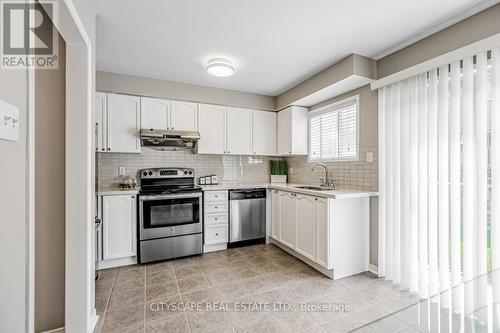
x,y
121,171
291,170
9,122
369,157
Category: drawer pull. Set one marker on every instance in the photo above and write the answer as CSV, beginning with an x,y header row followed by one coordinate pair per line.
x,y
216,196
216,219
216,234
216,207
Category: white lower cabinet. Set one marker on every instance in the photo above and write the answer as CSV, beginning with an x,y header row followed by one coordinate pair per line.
x,y
288,219
119,227
216,226
305,225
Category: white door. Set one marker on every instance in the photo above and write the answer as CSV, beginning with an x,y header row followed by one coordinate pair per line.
x,y
100,121
275,215
154,113
123,123
305,226
119,226
322,232
285,132
288,219
211,125
264,132
238,131
183,116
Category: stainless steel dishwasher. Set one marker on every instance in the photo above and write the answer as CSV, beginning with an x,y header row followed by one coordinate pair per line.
x,y
247,216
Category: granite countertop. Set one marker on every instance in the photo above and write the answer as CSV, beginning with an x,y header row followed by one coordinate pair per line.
x,y
333,194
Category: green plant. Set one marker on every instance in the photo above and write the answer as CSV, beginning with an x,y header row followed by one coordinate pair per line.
x,y
279,168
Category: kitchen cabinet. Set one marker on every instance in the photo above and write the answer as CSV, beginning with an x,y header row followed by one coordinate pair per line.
x,y
216,225
292,131
275,214
123,123
184,116
238,131
100,112
119,225
264,132
305,208
288,219
154,113
321,232
212,122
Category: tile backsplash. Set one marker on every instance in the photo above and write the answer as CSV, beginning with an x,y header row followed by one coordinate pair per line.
x,y
229,169
359,175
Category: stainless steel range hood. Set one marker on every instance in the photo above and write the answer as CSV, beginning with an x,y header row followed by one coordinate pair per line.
x,y
168,140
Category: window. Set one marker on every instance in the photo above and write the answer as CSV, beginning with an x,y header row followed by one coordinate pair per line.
x,y
333,131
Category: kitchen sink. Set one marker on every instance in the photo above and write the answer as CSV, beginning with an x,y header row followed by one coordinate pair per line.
x,y
315,188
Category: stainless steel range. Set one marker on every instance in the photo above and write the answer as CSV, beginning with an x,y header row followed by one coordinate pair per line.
x,y
170,214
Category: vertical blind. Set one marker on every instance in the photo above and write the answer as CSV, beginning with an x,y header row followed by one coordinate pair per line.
x,y
333,132
439,138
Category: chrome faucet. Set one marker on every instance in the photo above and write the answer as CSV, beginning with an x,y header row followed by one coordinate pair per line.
x,y
328,182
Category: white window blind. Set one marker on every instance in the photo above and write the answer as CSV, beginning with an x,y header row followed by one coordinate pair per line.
x,y
333,131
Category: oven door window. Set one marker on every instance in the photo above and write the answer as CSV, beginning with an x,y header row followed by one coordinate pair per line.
x,y
170,212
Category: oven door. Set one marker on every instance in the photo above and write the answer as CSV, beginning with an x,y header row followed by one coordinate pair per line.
x,y
170,215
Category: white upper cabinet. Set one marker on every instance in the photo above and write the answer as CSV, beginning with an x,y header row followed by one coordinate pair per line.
x,y
154,113
212,119
306,228
123,123
238,131
292,131
264,132
184,116
100,113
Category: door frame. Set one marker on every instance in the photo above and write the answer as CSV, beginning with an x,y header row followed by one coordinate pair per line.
x,y
80,313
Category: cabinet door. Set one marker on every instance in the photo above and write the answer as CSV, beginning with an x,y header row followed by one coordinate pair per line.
x,y
100,121
275,202
119,226
123,124
288,219
322,254
239,131
298,134
183,116
211,124
154,113
264,132
305,226
285,132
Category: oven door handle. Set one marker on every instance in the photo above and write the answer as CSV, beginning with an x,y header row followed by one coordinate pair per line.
x,y
169,196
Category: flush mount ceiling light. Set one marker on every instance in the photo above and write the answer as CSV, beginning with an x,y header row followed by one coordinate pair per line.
x,y
220,67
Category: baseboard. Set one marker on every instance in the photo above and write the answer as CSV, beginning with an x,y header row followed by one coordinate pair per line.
x,y
373,269
56,330
103,264
93,321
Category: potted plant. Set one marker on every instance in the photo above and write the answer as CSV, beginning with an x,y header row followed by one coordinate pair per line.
x,y
279,171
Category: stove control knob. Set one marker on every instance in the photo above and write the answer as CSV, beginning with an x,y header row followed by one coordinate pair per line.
x,y
150,173
185,172
190,172
145,173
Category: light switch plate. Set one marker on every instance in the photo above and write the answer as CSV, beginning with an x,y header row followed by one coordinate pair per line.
x,y
369,157
9,122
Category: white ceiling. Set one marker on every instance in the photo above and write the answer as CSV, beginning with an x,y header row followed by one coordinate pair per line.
x,y
274,44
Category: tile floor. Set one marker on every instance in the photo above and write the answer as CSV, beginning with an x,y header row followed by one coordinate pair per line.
x,y
130,299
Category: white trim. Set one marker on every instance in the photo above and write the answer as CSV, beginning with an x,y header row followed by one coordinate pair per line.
x,y
441,26
56,330
117,262
373,269
328,108
447,58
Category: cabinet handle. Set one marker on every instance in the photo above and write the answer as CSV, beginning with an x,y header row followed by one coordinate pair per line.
x,y
133,197
109,148
216,219
102,149
172,128
216,196
216,207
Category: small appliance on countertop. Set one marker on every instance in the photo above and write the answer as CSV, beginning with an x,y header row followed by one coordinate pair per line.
x,y
170,214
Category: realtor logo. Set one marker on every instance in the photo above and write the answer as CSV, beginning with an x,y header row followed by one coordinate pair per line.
x,y
29,39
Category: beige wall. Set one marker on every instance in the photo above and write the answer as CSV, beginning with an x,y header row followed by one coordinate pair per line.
x,y
470,30
136,85
50,195
13,209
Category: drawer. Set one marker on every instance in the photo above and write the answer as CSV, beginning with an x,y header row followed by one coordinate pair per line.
x,y
216,219
214,207
211,196
215,234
